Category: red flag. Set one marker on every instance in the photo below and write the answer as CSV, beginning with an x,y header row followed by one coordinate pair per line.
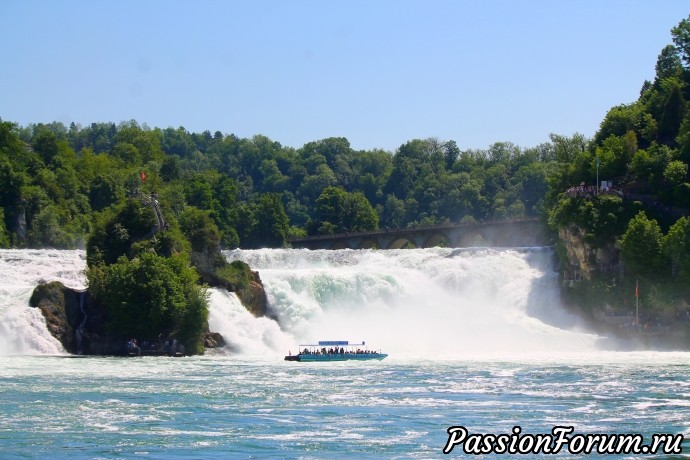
x,y
143,176
637,291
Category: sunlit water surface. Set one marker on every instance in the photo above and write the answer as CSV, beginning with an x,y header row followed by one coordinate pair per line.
x,y
476,338
222,407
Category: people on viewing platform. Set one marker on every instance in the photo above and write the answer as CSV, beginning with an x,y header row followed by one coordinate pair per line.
x,y
586,191
170,347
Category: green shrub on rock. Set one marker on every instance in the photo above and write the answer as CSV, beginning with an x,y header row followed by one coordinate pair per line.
x,y
151,297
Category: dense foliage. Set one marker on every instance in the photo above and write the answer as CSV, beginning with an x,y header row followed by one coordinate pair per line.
x,y
152,297
644,149
141,274
59,183
57,180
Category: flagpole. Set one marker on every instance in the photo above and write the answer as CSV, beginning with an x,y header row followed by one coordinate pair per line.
x,y
637,305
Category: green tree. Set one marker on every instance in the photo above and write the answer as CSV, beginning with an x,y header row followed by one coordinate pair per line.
x,y
170,169
676,248
641,246
177,142
225,192
199,192
330,210
49,229
393,212
452,152
361,216
314,184
671,116
337,154
681,38
151,297
46,145
338,211
146,142
105,190
4,234
271,225
117,230
199,228
668,65
676,172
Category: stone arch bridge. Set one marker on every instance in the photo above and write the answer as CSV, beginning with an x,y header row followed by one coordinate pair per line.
x,y
508,233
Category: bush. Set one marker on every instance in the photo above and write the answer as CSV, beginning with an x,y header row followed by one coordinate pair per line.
x,y
117,230
151,297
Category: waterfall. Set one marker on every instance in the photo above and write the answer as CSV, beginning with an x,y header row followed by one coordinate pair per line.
x,y
80,330
418,302
427,302
23,329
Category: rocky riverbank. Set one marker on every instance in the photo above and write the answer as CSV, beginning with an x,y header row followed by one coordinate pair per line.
x,y
79,323
595,286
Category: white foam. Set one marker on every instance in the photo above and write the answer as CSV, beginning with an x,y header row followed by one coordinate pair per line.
x,y
434,303
23,329
440,302
242,332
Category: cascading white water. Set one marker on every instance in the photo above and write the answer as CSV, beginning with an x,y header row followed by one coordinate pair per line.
x,y
242,332
23,329
431,302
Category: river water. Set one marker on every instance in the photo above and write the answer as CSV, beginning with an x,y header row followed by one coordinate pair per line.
x,y
476,338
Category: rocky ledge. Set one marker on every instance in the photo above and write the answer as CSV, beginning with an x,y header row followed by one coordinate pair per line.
x,y
73,318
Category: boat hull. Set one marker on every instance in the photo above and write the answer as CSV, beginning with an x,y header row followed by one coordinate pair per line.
x,y
336,357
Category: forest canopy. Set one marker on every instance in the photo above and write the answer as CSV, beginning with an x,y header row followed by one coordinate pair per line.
x,y
57,181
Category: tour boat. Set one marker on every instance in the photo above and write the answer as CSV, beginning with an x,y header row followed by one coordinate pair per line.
x,y
334,350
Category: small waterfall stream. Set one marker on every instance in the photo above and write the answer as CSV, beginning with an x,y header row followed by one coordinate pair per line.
x,y
80,330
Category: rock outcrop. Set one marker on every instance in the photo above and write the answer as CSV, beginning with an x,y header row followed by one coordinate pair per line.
x,y
75,320
253,296
213,340
79,323
250,290
583,259
60,308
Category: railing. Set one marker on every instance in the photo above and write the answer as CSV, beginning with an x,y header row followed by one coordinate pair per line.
x,y
160,223
405,230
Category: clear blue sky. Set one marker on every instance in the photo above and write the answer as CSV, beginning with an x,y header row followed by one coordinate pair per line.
x,y
378,72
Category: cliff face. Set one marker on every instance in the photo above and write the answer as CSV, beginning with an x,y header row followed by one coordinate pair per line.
x,y
611,310
583,259
75,320
60,308
254,297
78,322
251,294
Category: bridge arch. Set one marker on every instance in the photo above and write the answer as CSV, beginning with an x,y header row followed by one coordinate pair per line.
x,y
401,243
437,239
527,232
340,244
470,239
369,243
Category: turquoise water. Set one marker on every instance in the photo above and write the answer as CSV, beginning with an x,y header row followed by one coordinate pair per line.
x,y
476,338
225,407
